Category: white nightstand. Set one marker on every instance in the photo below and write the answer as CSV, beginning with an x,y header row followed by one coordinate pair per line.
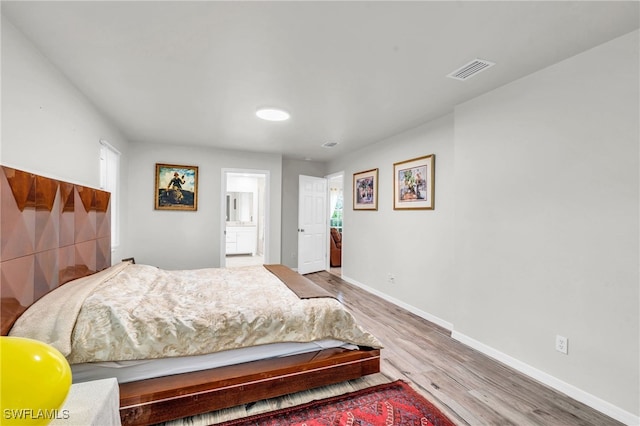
x,y
91,403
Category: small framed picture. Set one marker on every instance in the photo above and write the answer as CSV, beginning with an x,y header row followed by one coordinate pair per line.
x,y
413,183
365,190
176,187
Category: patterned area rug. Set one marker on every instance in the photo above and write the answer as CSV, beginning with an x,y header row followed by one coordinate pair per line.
x,y
390,404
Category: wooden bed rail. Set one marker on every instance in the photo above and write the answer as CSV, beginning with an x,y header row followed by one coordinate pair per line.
x,y
167,398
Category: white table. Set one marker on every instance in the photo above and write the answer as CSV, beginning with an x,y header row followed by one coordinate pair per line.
x,y
91,403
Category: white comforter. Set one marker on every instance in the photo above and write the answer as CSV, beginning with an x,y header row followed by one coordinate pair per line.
x,y
133,312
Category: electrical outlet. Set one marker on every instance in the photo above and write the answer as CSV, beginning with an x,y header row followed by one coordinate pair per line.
x,y
562,344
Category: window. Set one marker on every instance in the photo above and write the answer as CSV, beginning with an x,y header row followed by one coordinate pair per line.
x,y
109,176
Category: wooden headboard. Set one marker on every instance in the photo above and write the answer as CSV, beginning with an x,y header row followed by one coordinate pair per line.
x,y
51,232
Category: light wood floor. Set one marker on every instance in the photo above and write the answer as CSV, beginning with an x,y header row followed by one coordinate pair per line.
x,y
469,387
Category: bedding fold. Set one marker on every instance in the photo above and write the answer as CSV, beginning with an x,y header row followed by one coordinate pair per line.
x,y
52,318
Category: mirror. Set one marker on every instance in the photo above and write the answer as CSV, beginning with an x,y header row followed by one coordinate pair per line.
x,y
239,207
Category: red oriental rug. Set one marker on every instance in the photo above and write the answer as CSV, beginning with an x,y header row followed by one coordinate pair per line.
x,y
390,404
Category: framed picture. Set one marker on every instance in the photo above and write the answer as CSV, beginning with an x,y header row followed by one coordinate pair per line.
x,y
365,190
413,183
176,187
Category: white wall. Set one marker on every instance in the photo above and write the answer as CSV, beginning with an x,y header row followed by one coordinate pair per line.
x,y
48,126
191,239
547,220
416,247
535,228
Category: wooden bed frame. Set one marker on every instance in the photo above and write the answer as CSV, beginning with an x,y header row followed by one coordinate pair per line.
x,y
54,232
171,397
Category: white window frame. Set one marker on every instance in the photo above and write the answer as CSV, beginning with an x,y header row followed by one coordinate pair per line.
x,y
110,181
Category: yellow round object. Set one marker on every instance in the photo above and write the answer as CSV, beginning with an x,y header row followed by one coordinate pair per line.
x,y
35,380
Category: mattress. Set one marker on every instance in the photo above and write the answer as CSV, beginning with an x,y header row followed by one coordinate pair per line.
x,y
129,371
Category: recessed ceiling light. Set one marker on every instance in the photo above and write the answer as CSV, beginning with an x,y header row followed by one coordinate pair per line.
x,y
272,114
329,144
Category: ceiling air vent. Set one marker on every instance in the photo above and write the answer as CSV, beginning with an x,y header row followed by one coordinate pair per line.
x,y
469,70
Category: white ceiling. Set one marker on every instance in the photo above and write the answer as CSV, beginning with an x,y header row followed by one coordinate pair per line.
x,y
350,72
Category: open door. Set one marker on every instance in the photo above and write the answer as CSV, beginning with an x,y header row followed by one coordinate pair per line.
x,y
312,224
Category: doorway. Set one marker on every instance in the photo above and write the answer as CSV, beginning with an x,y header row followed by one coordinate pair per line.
x,y
245,207
336,226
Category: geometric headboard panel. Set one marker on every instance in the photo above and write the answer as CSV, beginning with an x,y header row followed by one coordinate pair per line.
x,y
51,232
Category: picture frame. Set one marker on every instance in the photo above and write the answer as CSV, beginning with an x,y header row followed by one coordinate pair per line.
x,y
176,187
365,190
414,184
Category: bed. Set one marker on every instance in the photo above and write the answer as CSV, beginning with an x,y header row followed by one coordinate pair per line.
x,y
58,286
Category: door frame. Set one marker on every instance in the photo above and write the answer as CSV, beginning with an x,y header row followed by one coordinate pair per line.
x,y
223,203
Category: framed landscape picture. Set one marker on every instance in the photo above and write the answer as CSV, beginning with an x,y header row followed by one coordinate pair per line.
x,y
365,190
413,183
176,187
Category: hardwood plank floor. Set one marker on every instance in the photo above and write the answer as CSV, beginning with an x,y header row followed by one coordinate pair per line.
x,y
470,387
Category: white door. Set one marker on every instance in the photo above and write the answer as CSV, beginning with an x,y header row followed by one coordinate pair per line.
x,y
312,224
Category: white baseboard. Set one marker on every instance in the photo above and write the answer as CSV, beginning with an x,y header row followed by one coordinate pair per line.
x,y
432,318
551,381
586,398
